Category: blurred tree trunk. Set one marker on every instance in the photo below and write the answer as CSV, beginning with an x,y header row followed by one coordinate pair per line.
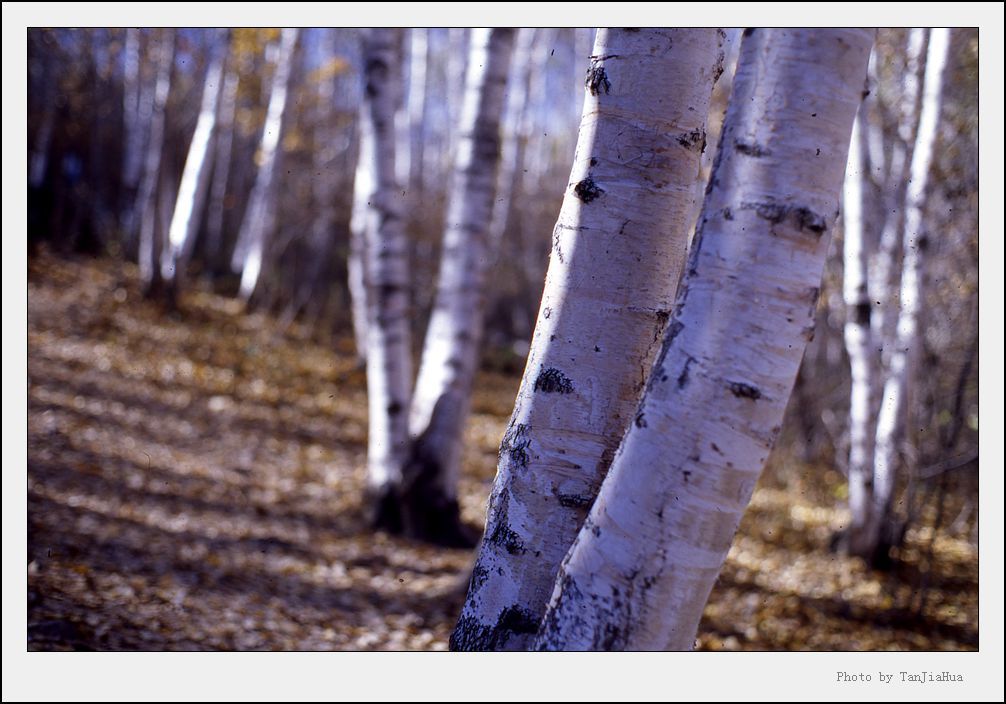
x,y
386,272
324,154
151,232
427,496
187,213
858,339
512,145
225,126
641,570
137,113
260,214
893,407
364,185
418,53
618,248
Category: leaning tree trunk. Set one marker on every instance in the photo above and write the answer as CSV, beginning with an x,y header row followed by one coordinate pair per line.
x,y
389,364
893,408
188,208
427,496
618,248
151,232
260,215
641,569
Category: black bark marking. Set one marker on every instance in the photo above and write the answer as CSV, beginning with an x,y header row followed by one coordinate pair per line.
x,y
593,161
640,420
394,408
507,538
683,377
804,218
728,214
552,381
749,31
742,390
686,474
597,78
586,190
574,500
690,140
715,448
546,312
752,149
814,293
515,445
472,635
861,313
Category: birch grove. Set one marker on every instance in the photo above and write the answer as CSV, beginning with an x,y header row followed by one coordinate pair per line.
x,y
641,569
605,302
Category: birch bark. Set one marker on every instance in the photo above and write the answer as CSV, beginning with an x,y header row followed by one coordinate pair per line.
x,y
641,569
858,338
389,363
618,247
441,402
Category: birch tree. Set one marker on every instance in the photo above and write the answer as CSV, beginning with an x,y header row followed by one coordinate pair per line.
x,y
151,232
259,217
641,569
859,341
440,405
891,417
618,248
185,218
385,258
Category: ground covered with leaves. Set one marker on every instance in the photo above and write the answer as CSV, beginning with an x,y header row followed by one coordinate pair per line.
x,y
195,482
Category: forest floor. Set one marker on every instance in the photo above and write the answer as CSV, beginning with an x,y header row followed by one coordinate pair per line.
x,y
195,483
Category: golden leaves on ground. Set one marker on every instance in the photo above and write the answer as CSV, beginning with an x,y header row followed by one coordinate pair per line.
x,y
195,483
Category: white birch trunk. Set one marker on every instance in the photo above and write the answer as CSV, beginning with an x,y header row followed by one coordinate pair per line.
x,y
188,208
883,282
221,165
441,401
151,233
364,186
858,337
641,569
893,407
618,248
389,364
260,214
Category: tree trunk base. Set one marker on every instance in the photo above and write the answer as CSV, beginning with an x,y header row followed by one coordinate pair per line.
x,y
421,512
